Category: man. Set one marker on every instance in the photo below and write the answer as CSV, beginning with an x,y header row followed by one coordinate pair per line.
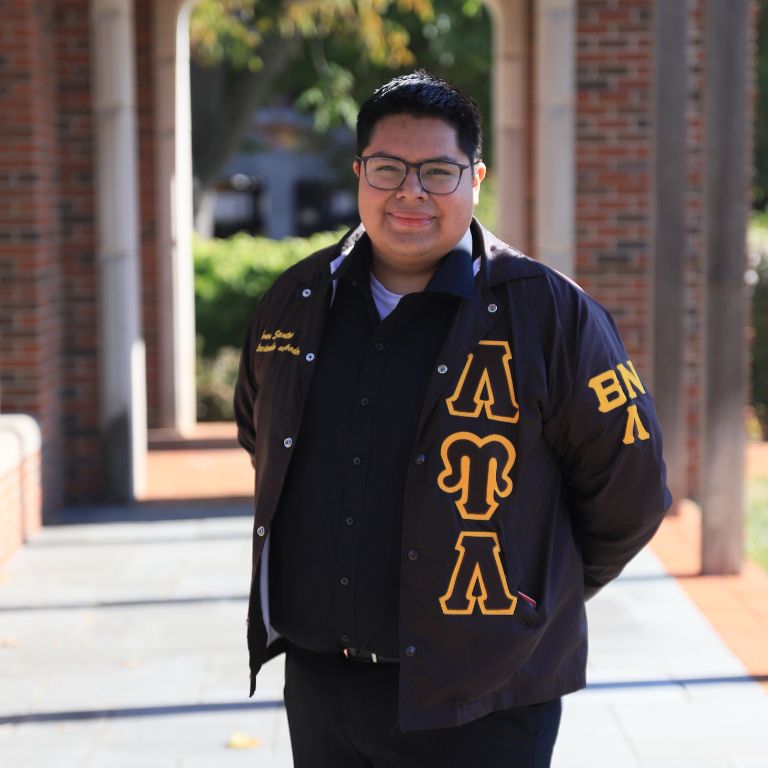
x,y
452,452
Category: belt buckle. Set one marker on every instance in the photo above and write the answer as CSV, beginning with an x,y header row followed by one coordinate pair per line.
x,y
354,654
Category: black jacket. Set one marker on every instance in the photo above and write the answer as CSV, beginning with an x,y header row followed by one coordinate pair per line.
x,y
537,470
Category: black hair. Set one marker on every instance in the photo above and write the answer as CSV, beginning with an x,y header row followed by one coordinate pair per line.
x,y
422,95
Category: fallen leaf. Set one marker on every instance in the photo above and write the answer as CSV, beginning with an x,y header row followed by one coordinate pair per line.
x,y
243,741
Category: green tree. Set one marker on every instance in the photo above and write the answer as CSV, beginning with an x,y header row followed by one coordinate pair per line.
x,y
241,50
327,56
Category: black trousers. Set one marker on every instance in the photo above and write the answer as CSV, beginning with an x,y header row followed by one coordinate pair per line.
x,y
343,714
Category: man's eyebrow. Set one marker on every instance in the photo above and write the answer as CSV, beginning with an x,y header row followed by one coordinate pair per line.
x,y
434,159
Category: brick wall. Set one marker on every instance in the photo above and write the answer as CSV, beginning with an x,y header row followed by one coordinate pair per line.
x,y
694,223
83,465
30,237
614,134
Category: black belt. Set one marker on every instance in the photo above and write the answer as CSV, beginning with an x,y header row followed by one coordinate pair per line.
x,y
367,657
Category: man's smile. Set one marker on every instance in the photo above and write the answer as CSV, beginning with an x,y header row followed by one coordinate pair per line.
x,y
410,220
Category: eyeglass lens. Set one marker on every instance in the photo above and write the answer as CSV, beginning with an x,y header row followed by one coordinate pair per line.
x,y
435,176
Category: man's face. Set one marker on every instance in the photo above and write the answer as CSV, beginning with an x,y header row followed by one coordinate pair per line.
x,y
410,229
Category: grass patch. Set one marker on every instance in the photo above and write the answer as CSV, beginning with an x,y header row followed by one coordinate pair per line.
x,y
757,521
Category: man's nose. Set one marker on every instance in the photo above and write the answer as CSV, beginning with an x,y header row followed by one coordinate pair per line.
x,y
411,185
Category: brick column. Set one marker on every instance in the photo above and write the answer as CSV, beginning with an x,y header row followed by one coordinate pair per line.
x,y
30,275
614,165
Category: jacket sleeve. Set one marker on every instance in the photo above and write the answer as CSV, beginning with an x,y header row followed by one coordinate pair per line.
x,y
604,428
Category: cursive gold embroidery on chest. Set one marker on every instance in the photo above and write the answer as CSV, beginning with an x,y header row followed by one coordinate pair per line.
x,y
277,341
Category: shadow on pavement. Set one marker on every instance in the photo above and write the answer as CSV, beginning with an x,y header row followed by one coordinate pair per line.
x,y
154,511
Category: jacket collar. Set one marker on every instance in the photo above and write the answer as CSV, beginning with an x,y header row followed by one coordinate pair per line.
x,y
500,262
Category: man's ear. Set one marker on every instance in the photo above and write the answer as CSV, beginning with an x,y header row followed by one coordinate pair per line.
x,y
356,168
477,180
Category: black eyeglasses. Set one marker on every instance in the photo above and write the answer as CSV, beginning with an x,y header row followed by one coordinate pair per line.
x,y
437,177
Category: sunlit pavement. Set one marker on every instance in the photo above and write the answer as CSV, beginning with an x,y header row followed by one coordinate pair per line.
x,y
122,643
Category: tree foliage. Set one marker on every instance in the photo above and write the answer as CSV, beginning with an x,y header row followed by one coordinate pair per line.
x,y
326,56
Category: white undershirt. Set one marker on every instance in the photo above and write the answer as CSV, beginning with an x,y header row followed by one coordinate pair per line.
x,y
386,301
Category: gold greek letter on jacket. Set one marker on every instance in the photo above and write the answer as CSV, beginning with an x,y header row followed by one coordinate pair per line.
x,y
478,469
634,425
478,577
486,383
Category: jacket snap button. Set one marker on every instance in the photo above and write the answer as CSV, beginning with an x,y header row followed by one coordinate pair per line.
x,y
413,554
310,356
410,650
442,369
420,458
306,293
261,530
344,581
288,442
492,308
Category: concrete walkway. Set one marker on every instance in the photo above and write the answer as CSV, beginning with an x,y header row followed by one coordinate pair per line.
x,y
122,644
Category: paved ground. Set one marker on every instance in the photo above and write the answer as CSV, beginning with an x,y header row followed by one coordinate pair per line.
x,y
121,645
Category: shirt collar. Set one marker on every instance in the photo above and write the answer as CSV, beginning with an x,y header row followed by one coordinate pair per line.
x,y
357,264
454,275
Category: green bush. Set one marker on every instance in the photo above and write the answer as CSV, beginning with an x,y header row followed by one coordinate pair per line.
x,y
231,276
758,241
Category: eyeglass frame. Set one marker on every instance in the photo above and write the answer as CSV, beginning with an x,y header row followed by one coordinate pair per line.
x,y
417,167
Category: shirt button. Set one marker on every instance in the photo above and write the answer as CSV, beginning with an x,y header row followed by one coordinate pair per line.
x,y
345,638
309,357
306,293
344,581
410,650
420,458
442,369
413,554
350,521
357,461
288,442
378,346
364,401
493,308
261,530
